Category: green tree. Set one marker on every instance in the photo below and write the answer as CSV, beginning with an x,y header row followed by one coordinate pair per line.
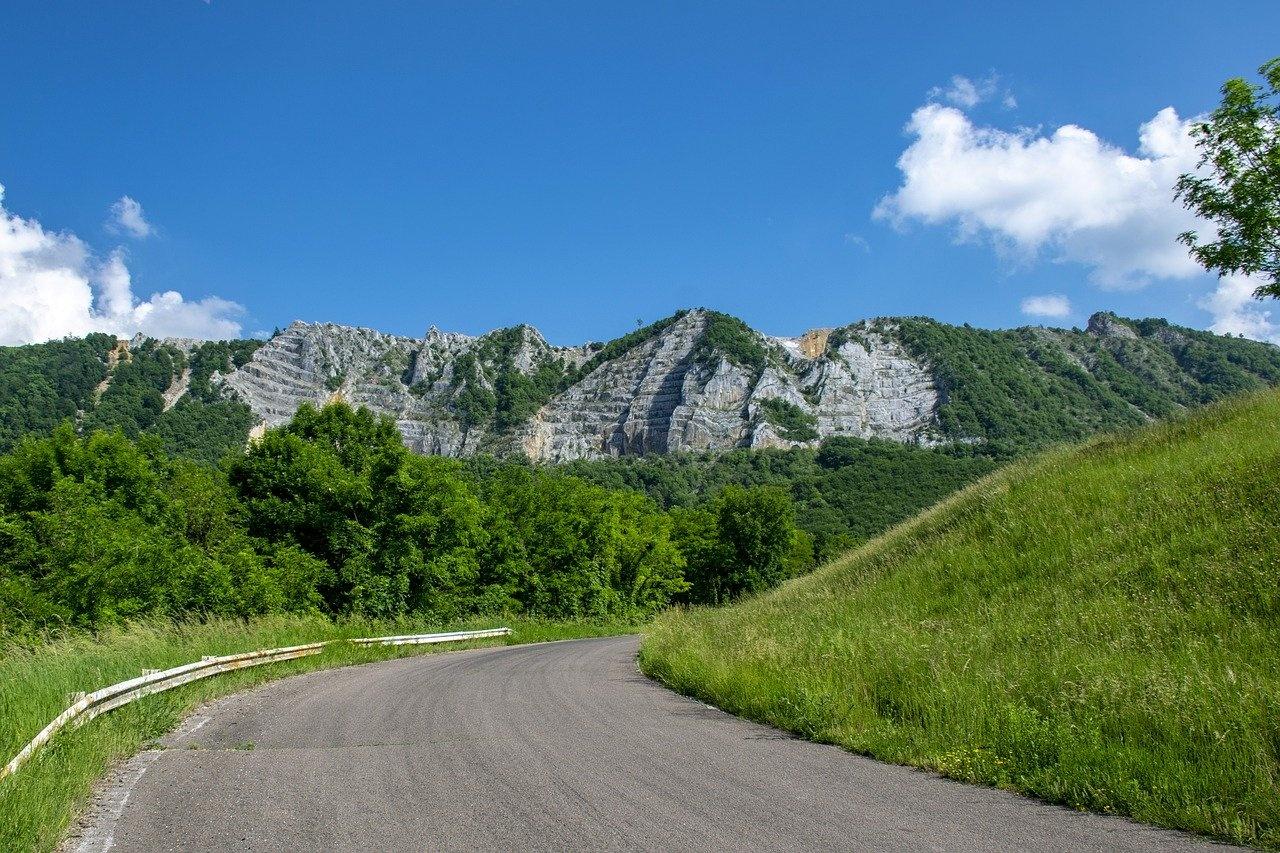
x,y
696,535
310,484
648,567
100,529
746,542
431,532
1240,195
757,531
567,549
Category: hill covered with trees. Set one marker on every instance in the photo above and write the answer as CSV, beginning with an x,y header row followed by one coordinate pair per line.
x,y
144,386
698,381
985,397
847,491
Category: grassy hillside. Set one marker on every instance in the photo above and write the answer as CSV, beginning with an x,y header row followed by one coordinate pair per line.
x,y
1098,627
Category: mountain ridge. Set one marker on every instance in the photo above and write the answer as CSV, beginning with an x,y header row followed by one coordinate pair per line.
x,y
703,381
691,382
696,381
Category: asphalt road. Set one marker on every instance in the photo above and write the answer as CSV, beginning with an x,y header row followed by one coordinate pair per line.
x,y
562,746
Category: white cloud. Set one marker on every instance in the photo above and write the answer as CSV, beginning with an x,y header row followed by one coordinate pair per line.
x,y
52,286
858,240
1236,312
1071,196
966,93
127,217
1049,305
1070,193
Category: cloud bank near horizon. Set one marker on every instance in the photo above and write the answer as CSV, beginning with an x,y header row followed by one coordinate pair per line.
x,y
52,285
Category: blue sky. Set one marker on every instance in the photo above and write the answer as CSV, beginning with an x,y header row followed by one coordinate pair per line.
x,y
582,166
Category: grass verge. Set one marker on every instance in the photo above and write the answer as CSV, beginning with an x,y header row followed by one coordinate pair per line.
x,y
38,802
1097,627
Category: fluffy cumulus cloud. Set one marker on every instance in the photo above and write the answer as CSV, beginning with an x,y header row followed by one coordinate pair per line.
x,y
127,218
1049,305
53,285
1236,312
1068,193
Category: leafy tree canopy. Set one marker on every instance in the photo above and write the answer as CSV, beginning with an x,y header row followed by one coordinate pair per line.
x,y
330,513
1238,189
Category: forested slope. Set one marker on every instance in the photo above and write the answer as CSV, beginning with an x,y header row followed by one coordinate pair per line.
x,y
847,491
144,386
1022,389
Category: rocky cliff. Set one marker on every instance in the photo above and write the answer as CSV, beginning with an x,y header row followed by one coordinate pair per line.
x,y
661,392
704,381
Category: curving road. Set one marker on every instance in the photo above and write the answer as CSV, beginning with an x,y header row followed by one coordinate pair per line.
x,y
562,746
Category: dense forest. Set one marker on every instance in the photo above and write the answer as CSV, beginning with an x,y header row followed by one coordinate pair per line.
x,y
44,384
1004,393
844,493
1018,390
330,513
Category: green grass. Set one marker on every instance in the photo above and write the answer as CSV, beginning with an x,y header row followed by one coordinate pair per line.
x,y
1099,627
38,802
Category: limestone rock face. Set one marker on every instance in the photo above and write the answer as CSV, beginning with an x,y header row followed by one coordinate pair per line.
x,y
323,362
623,406
874,389
666,393
436,354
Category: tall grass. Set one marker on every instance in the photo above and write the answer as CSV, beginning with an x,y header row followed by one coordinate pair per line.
x,y
38,802
1099,627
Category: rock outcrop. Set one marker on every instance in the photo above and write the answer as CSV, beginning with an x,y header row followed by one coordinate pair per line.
x,y
658,396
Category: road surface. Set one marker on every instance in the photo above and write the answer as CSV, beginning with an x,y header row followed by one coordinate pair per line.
x,y
561,746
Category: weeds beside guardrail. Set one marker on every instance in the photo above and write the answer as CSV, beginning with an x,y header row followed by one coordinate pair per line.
x,y
88,706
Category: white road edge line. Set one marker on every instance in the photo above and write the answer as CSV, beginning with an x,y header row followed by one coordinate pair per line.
x,y
100,830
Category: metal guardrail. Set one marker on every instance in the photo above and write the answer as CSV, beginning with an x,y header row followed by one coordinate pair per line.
x,y
420,639
91,705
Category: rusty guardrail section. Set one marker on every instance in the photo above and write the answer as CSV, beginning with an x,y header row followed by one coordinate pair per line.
x,y
91,705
